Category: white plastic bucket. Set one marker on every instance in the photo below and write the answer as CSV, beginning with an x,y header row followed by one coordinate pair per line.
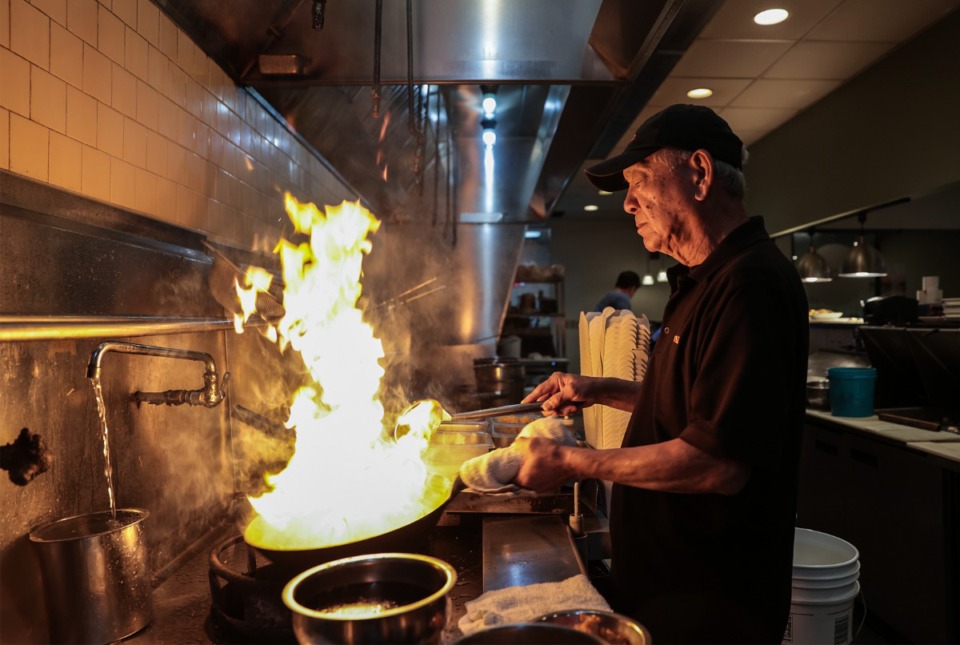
x,y
828,583
816,623
826,570
820,555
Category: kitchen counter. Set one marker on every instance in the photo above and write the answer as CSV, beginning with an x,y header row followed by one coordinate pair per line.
x,y
892,491
488,552
894,432
949,451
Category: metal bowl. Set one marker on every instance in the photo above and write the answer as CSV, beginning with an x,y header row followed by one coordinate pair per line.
x,y
378,598
530,634
818,394
609,627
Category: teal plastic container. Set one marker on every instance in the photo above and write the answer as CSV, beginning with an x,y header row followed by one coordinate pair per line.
x,y
851,391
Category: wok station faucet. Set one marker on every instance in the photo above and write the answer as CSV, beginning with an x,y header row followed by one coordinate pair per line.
x,y
210,395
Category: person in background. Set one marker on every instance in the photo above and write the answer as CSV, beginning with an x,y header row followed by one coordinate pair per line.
x,y
627,284
704,496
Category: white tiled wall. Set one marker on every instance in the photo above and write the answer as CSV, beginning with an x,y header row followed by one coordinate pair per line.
x,y
112,100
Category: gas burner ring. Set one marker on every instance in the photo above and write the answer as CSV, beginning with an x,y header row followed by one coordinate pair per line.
x,y
249,602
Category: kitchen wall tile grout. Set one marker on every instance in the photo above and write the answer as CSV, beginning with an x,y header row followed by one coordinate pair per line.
x,y
151,122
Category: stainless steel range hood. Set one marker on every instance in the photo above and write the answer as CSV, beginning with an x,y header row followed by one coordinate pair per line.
x,y
570,76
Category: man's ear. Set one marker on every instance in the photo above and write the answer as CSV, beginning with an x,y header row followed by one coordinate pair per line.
x,y
701,163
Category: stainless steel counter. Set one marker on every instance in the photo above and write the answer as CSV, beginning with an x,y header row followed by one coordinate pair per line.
x,y
488,552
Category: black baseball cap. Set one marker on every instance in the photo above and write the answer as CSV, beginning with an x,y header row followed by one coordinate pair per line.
x,y
688,127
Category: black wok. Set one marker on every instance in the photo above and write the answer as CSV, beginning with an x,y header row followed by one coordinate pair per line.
x,y
409,538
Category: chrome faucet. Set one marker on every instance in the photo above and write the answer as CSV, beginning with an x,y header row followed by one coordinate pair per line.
x,y
210,395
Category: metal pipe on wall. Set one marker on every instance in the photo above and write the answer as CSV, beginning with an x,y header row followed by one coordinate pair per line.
x,y
22,328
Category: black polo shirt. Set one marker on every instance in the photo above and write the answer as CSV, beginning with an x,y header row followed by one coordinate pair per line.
x,y
727,376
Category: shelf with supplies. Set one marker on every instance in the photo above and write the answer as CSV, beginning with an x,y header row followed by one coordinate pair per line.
x,y
536,311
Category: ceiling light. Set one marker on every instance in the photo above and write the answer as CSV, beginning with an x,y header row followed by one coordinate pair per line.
x,y
489,105
700,93
662,276
647,280
532,235
812,267
591,207
863,261
489,135
604,192
489,101
771,17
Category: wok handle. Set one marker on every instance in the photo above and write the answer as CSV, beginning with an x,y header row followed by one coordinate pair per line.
x,y
486,413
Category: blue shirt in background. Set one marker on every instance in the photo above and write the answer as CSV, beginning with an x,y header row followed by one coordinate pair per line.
x,y
616,299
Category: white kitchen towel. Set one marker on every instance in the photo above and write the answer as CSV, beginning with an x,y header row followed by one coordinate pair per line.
x,y
522,604
494,471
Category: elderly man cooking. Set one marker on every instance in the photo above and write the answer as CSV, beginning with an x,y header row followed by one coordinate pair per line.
x,y
704,495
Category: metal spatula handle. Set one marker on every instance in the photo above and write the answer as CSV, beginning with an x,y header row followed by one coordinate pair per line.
x,y
486,413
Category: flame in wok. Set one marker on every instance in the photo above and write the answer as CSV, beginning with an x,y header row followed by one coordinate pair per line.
x,y
349,479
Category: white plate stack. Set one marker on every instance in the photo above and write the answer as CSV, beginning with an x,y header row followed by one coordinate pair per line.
x,y
951,308
612,344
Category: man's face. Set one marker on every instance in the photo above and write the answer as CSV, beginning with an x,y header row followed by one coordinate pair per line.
x,y
657,199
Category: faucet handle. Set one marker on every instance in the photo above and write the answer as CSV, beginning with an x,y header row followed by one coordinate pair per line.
x,y
214,393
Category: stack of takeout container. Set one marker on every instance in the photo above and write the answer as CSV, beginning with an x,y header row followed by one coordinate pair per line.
x,y
612,344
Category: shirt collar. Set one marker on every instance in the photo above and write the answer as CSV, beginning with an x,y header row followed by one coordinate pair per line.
x,y
745,235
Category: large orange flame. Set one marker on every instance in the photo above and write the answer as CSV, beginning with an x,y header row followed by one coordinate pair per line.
x,y
350,478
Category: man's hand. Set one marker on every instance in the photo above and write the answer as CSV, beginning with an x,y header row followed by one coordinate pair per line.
x,y
542,468
562,394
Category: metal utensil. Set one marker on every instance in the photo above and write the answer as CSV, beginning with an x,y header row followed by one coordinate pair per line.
x,y
486,413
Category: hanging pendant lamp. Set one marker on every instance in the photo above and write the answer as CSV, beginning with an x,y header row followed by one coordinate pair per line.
x,y
863,261
812,267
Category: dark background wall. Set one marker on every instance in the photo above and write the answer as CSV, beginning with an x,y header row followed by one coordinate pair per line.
x,y
892,132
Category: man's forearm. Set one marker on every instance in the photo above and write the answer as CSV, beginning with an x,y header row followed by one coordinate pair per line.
x,y
615,392
672,466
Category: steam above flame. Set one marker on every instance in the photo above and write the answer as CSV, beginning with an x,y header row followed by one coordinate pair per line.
x,y
349,478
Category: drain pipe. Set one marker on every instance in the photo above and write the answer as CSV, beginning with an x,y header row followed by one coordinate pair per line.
x,y
210,395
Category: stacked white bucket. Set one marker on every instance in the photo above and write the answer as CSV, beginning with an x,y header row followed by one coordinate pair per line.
x,y
825,584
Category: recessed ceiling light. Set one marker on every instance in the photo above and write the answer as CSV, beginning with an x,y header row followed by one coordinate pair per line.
x,y
771,17
604,192
700,93
590,208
